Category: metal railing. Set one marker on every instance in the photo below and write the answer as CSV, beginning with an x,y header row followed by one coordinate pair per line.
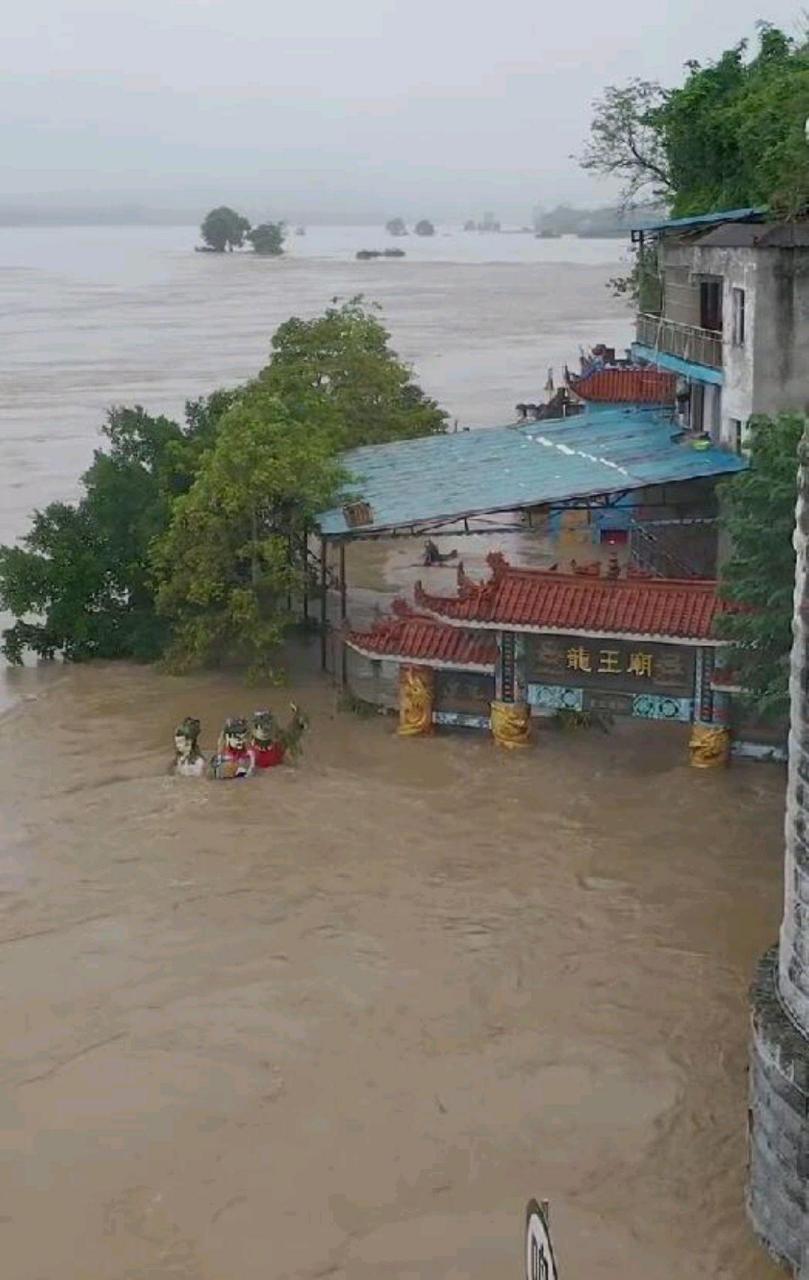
x,y
703,346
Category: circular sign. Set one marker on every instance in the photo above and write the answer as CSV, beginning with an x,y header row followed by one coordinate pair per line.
x,y
540,1263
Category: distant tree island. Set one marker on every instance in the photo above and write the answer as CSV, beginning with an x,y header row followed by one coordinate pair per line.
x,y
396,227
425,228
223,230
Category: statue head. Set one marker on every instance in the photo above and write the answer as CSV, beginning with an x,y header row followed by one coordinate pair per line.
x,y
264,726
186,738
235,733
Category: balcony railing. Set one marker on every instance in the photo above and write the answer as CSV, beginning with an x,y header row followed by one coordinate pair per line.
x,y
703,346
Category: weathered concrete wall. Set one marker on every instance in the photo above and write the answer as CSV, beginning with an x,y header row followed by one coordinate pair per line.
x,y
739,269
782,330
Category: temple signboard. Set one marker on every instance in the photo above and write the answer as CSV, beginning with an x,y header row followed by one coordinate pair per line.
x,y
611,667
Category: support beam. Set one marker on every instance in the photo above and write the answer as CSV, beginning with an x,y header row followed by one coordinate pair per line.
x,y
343,616
324,607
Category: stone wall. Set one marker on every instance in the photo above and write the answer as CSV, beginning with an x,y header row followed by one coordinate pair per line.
x,y
778,1195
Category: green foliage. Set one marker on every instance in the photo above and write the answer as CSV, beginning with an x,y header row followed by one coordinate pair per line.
x,y
82,570
223,228
732,135
626,140
758,514
188,540
224,565
268,239
339,371
567,720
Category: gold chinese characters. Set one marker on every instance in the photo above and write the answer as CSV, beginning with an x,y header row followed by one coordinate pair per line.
x,y
608,662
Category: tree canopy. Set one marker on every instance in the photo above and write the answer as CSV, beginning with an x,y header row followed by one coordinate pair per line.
x,y
732,135
396,227
424,228
268,239
759,517
231,556
188,540
223,228
339,369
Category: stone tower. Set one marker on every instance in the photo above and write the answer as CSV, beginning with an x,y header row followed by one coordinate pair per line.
x,y
778,1197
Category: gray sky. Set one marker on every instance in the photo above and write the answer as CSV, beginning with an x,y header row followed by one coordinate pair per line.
x,y
437,107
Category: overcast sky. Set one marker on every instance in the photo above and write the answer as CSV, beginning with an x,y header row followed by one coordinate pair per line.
x,y
435,107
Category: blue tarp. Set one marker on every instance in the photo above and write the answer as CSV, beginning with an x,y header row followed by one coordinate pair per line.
x,y
470,473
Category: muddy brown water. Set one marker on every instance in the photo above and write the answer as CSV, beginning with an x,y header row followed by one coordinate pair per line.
x,y
344,1020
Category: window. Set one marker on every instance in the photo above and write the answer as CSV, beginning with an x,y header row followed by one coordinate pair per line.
x,y
710,305
738,317
736,433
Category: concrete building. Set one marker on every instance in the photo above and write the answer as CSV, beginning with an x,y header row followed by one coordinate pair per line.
x,y
779,1060
725,305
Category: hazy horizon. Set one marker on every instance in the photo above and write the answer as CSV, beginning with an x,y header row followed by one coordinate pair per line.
x,y
362,111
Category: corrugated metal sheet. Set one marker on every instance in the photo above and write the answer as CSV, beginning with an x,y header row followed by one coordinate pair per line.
x,y
752,214
505,468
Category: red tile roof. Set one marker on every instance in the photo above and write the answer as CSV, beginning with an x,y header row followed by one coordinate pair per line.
x,y
626,386
538,600
421,639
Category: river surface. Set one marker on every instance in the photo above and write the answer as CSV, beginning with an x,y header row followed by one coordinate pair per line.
x,y
344,1020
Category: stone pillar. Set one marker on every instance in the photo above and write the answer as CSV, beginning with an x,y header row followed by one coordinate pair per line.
x,y
778,1194
416,697
510,718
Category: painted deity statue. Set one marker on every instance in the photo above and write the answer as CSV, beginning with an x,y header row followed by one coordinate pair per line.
x,y
189,761
234,758
271,743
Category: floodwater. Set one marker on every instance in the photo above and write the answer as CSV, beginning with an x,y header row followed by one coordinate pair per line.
x,y
344,1020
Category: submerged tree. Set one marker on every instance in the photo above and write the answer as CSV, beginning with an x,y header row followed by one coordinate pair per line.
x,y
759,517
268,239
339,369
226,565
396,227
424,228
224,228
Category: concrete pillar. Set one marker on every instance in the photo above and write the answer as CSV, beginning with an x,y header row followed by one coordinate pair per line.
x,y
778,1195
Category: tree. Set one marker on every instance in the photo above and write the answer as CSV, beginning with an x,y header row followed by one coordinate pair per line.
x,y
225,565
732,135
80,585
339,370
223,229
626,140
268,239
396,227
759,516
424,228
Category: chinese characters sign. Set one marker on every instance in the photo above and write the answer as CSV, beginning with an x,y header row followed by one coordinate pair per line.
x,y
626,666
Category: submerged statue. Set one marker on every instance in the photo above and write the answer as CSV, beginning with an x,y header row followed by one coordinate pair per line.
x,y
271,743
189,761
433,556
234,758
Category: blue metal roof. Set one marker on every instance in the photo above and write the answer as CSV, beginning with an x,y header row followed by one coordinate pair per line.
x,y
447,477
753,214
